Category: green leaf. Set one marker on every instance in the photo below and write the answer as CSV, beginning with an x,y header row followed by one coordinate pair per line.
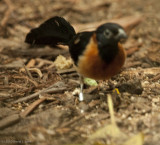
x,y
90,82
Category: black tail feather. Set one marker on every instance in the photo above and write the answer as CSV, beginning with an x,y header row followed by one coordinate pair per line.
x,y
54,31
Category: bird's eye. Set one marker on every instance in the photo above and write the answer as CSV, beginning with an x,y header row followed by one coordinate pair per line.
x,y
107,33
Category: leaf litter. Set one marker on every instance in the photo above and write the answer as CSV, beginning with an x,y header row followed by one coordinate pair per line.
x,y
31,85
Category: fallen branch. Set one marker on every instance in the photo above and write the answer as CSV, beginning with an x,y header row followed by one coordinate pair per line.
x,y
31,107
31,52
46,90
72,121
13,64
66,71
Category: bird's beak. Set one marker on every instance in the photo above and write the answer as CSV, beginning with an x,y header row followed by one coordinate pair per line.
x,y
121,34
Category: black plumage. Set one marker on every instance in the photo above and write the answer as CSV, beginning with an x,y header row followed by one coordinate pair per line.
x,y
57,30
78,43
54,31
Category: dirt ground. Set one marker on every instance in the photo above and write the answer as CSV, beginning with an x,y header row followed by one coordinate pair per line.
x,y
37,104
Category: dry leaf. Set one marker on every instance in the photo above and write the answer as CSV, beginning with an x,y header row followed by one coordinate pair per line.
x,y
62,63
36,70
135,140
110,130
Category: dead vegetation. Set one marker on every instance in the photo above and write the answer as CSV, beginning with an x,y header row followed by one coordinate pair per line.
x,y
38,103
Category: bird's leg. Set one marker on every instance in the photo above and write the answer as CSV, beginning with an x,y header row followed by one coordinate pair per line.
x,y
81,96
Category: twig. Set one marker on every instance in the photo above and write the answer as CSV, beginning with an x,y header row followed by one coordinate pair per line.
x,y
146,71
72,121
111,109
132,50
155,40
28,79
55,90
7,13
28,72
93,103
32,81
30,108
91,89
42,62
157,77
66,71
132,64
38,71
31,52
9,120
95,7
46,90
13,64
4,96
127,22
50,66
71,75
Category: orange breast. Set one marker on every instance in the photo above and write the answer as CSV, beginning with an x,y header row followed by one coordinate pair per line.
x,y
92,66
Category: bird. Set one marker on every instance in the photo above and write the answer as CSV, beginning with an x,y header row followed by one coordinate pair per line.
x,y
97,54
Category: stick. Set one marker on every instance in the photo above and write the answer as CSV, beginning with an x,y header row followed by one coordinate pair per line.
x,y
9,120
30,108
46,90
157,77
66,71
31,52
28,72
7,13
132,50
111,110
72,121
153,71
28,79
